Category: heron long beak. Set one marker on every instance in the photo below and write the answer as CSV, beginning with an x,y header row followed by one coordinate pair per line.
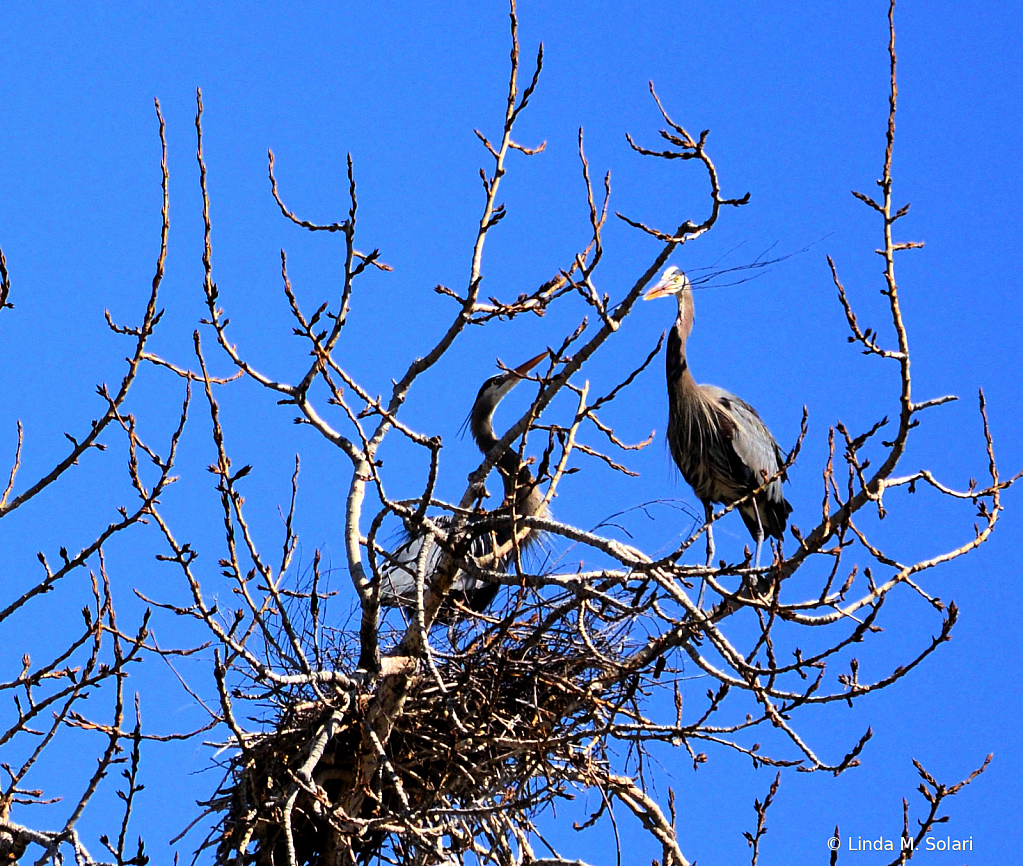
x,y
523,369
661,290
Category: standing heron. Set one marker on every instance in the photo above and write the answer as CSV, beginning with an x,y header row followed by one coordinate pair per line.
x,y
522,498
721,446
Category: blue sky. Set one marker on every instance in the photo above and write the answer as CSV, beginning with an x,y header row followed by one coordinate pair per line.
x,y
795,97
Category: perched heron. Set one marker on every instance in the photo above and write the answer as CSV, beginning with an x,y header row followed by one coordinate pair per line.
x,y
522,497
721,446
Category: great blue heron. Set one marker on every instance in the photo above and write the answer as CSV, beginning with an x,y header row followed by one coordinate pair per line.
x,y
722,447
521,496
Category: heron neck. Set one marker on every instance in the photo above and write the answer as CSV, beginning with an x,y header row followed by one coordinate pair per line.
x,y
686,314
482,428
486,439
680,377
517,479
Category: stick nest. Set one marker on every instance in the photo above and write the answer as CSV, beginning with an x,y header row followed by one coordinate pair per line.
x,y
512,707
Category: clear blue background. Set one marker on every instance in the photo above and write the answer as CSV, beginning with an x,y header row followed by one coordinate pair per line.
x,y
795,96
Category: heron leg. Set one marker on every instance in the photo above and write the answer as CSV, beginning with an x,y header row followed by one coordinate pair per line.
x,y
708,512
760,535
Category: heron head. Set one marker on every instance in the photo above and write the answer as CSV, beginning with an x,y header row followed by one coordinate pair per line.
x,y
496,387
672,282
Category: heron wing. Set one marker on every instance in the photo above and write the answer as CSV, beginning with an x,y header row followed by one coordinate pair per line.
x,y
758,451
398,577
751,440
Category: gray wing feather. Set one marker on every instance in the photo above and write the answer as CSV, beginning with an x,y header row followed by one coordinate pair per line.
x,y
398,578
758,451
752,441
